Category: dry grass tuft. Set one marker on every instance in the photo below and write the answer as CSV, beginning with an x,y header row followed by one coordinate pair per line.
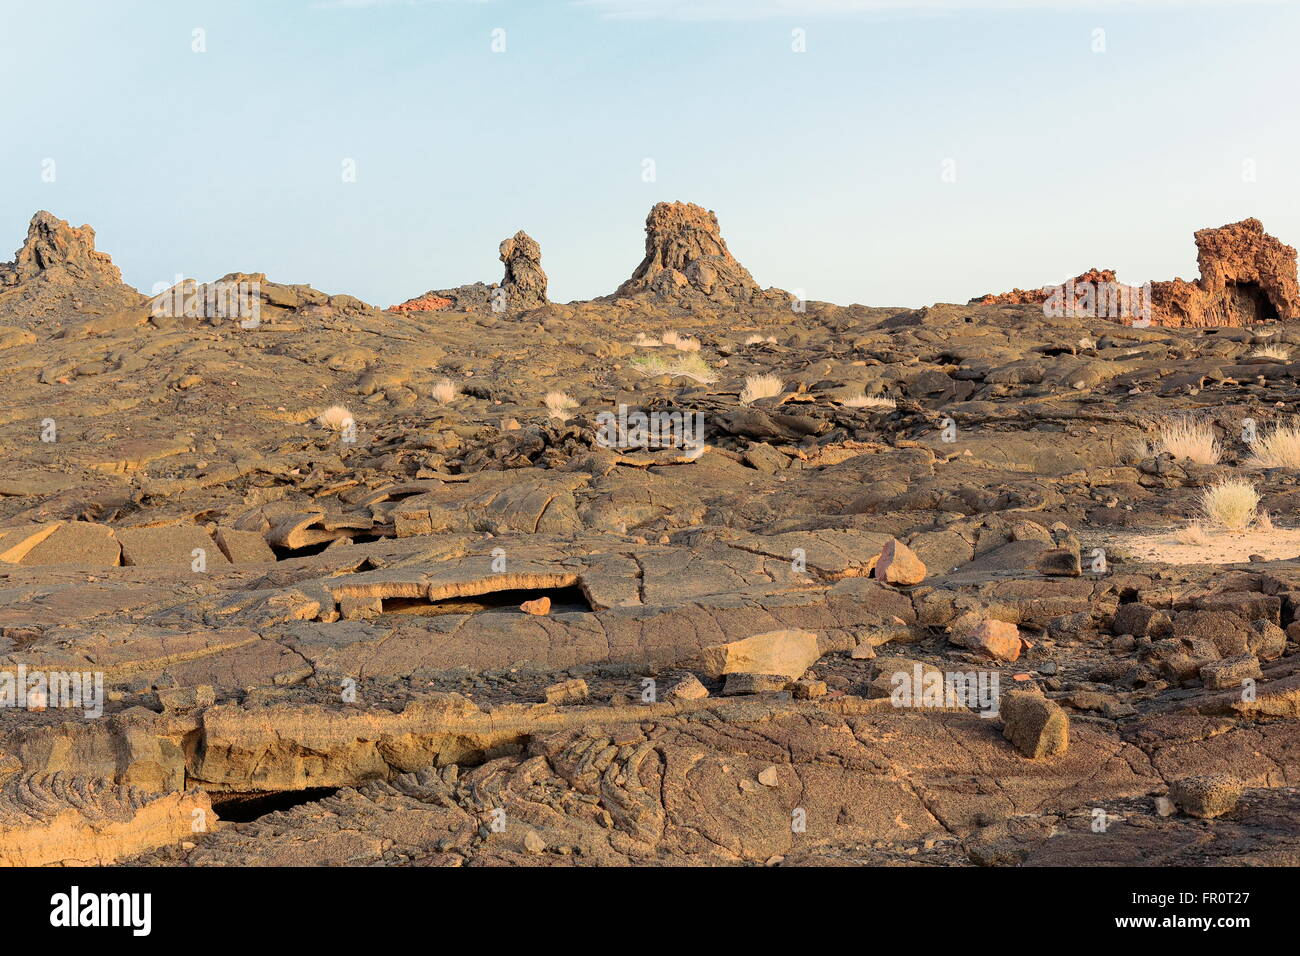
x,y
1272,351
868,401
335,418
761,386
445,392
685,364
1193,534
1280,448
1184,438
1231,504
560,404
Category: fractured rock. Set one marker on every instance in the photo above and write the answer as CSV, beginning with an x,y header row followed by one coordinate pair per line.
x,y
688,688
177,546
567,692
1059,562
243,547
539,606
77,542
747,683
1230,671
1266,640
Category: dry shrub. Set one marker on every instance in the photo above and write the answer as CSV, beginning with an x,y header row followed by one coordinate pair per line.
x,y
761,386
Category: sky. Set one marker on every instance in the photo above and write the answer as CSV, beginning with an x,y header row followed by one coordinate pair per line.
x,y
882,152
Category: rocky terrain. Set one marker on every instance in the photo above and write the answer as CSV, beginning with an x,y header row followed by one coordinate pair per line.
x,y
417,586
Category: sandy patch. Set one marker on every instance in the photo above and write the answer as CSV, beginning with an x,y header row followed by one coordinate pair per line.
x,y
1221,547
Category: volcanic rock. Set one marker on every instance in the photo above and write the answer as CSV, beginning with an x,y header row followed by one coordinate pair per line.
x,y
424,303
1230,671
687,258
58,270
999,640
897,564
525,282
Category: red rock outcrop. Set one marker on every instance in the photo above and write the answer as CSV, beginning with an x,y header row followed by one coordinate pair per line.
x,y
686,257
1039,296
1246,276
58,270
423,303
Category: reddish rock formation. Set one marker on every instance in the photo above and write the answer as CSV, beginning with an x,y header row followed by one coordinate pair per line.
x,y
686,257
1246,276
1039,296
424,303
524,282
58,270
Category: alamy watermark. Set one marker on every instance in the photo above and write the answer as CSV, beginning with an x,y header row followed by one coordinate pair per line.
x,y
656,429
223,299
1099,300
37,690
977,690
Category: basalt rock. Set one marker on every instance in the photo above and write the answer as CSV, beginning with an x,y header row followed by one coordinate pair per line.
x,y
58,271
524,282
687,258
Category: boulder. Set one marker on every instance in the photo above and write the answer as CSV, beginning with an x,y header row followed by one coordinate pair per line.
x,y
999,640
785,653
898,565
1036,726
1206,796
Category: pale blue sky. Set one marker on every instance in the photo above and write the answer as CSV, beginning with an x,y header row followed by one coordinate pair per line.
x,y
825,167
